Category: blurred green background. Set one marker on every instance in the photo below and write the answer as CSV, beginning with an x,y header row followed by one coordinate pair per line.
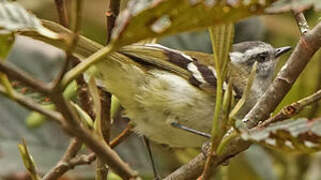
x,y
47,143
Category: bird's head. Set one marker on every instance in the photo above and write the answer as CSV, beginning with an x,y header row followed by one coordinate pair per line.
x,y
245,54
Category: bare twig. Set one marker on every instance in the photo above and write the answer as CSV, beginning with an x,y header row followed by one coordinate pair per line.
x,y
105,99
34,106
70,160
62,13
63,166
301,22
21,76
77,19
292,109
65,163
309,43
122,136
102,151
112,13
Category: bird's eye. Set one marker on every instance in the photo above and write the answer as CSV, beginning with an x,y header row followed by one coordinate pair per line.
x,y
262,57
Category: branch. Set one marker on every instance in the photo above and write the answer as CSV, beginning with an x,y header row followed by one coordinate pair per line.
x,y
309,43
65,163
112,13
104,152
21,76
62,13
33,106
301,22
63,166
292,109
70,161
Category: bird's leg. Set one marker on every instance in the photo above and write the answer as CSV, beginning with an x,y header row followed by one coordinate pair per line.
x,y
194,131
155,172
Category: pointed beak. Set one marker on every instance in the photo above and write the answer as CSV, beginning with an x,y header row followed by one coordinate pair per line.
x,y
282,50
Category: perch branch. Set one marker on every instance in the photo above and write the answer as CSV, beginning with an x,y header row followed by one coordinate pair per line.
x,y
34,106
23,77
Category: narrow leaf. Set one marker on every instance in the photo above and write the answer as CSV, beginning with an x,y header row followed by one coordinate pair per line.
x,y
245,95
83,115
6,43
28,160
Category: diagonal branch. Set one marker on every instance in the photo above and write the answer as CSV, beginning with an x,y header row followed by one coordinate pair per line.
x,y
32,105
23,77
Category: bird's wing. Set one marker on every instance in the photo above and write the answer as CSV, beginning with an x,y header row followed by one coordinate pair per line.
x,y
193,66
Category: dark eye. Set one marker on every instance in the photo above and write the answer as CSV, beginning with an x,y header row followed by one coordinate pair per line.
x,y
262,57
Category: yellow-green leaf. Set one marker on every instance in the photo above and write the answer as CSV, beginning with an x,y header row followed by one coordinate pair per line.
x,y
143,20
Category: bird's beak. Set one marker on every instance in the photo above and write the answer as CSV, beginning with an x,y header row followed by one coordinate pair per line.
x,y
282,50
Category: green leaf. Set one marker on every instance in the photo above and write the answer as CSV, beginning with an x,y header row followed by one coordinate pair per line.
x,y
143,20
14,17
282,6
115,106
296,135
28,161
6,41
83,115
35,119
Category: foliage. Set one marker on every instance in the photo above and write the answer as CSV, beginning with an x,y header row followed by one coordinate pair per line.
x,y
294,135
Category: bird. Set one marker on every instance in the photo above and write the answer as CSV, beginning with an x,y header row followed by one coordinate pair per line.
x,y
160,86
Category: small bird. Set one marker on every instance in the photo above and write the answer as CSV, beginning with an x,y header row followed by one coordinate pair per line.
x,y
158,86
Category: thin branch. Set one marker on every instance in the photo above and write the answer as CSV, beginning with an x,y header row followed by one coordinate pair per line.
x,y
309,43
65,163
33,106
105,99
77,19
122,136
301,22
23,77
112,13
292,109
63,166
62,12
102,151
70,161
